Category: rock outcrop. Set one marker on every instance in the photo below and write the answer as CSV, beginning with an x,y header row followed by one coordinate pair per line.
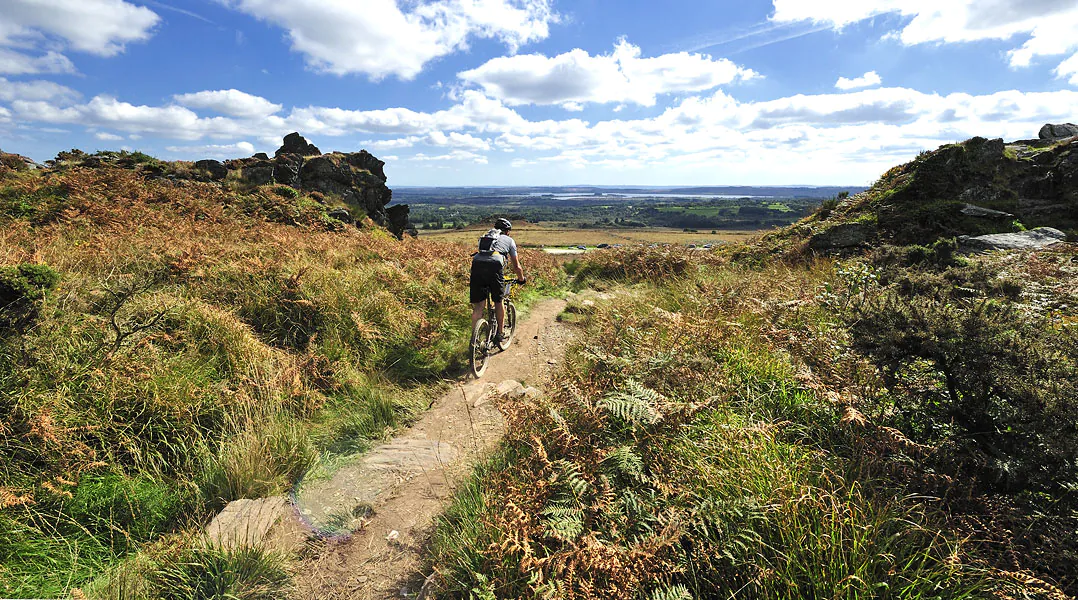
x,y
357,179
1057,132
214,169
975,188
351,186
17,162
1024,240
294,143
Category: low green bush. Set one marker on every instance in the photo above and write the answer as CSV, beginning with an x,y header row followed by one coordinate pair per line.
x,y
997,384
22,290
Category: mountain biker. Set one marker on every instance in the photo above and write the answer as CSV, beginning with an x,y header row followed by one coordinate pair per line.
x,y
488,267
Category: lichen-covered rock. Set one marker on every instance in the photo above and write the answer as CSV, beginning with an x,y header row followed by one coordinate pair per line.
x,y
259,172
1023,240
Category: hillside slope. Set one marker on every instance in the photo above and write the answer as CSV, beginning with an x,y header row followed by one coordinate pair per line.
x,y
976,187
170,344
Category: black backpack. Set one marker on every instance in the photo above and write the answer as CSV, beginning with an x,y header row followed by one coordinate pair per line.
x,y
486,243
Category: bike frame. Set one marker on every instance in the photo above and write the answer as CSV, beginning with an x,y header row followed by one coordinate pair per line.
x,y
482,348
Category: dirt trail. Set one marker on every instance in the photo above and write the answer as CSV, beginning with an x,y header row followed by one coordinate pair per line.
x,y
391,495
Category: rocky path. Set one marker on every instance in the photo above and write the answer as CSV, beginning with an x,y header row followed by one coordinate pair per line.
x,y
391,495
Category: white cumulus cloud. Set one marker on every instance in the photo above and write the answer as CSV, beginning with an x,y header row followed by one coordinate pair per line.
x,y
106,112
381,38
18,63
836,137
622,76
100,27
229,102
36,90
1069,68
869,79
1050,27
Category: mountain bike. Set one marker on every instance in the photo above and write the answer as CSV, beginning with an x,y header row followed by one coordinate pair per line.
x,y
484,331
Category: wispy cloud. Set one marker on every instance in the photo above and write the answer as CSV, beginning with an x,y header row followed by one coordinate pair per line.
x,y
182,11
748,38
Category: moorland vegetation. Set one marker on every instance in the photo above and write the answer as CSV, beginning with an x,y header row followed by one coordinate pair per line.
x,y
168,345
890,417
856,406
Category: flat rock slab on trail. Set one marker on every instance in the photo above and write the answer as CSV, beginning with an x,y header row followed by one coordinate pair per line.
x,y
391,495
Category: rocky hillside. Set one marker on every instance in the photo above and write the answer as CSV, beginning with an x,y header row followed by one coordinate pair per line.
x,y
349,186
174,337
973,188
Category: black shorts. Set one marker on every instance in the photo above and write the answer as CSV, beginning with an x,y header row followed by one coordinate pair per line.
x,y
486,281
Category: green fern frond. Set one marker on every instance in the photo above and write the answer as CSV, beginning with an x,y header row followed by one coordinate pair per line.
x,y
623,461
563,522
569,478
634,404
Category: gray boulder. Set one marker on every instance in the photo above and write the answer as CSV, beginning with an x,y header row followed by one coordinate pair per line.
x,y
258,172
286,169
214,168
342,215
1024,240
1058,131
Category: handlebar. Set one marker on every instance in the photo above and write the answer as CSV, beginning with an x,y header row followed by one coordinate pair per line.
x,y
515,281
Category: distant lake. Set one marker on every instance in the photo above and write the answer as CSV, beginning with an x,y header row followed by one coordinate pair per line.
x,y
615,195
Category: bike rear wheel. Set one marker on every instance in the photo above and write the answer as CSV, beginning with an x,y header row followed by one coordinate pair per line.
x,y
480,348
510,326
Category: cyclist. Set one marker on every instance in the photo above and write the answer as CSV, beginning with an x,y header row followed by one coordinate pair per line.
x,y
488,268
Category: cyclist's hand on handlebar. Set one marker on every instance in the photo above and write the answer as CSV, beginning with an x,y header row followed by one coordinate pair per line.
x,y
521,281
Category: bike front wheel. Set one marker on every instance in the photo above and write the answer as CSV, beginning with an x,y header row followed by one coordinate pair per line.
x,y
480,348
510,327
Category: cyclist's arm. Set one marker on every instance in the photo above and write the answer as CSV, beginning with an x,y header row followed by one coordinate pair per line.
x,y
517,267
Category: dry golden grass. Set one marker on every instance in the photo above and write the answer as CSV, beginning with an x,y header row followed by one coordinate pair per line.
x,y
270,326
535,236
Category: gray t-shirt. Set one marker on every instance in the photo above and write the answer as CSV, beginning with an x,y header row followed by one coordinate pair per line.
x,y
504,246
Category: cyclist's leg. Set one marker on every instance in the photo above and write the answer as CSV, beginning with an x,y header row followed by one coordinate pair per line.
x,y
499,311
497,291
477,312
478,291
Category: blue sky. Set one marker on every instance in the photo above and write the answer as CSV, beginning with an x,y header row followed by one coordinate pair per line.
x,y
540,92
